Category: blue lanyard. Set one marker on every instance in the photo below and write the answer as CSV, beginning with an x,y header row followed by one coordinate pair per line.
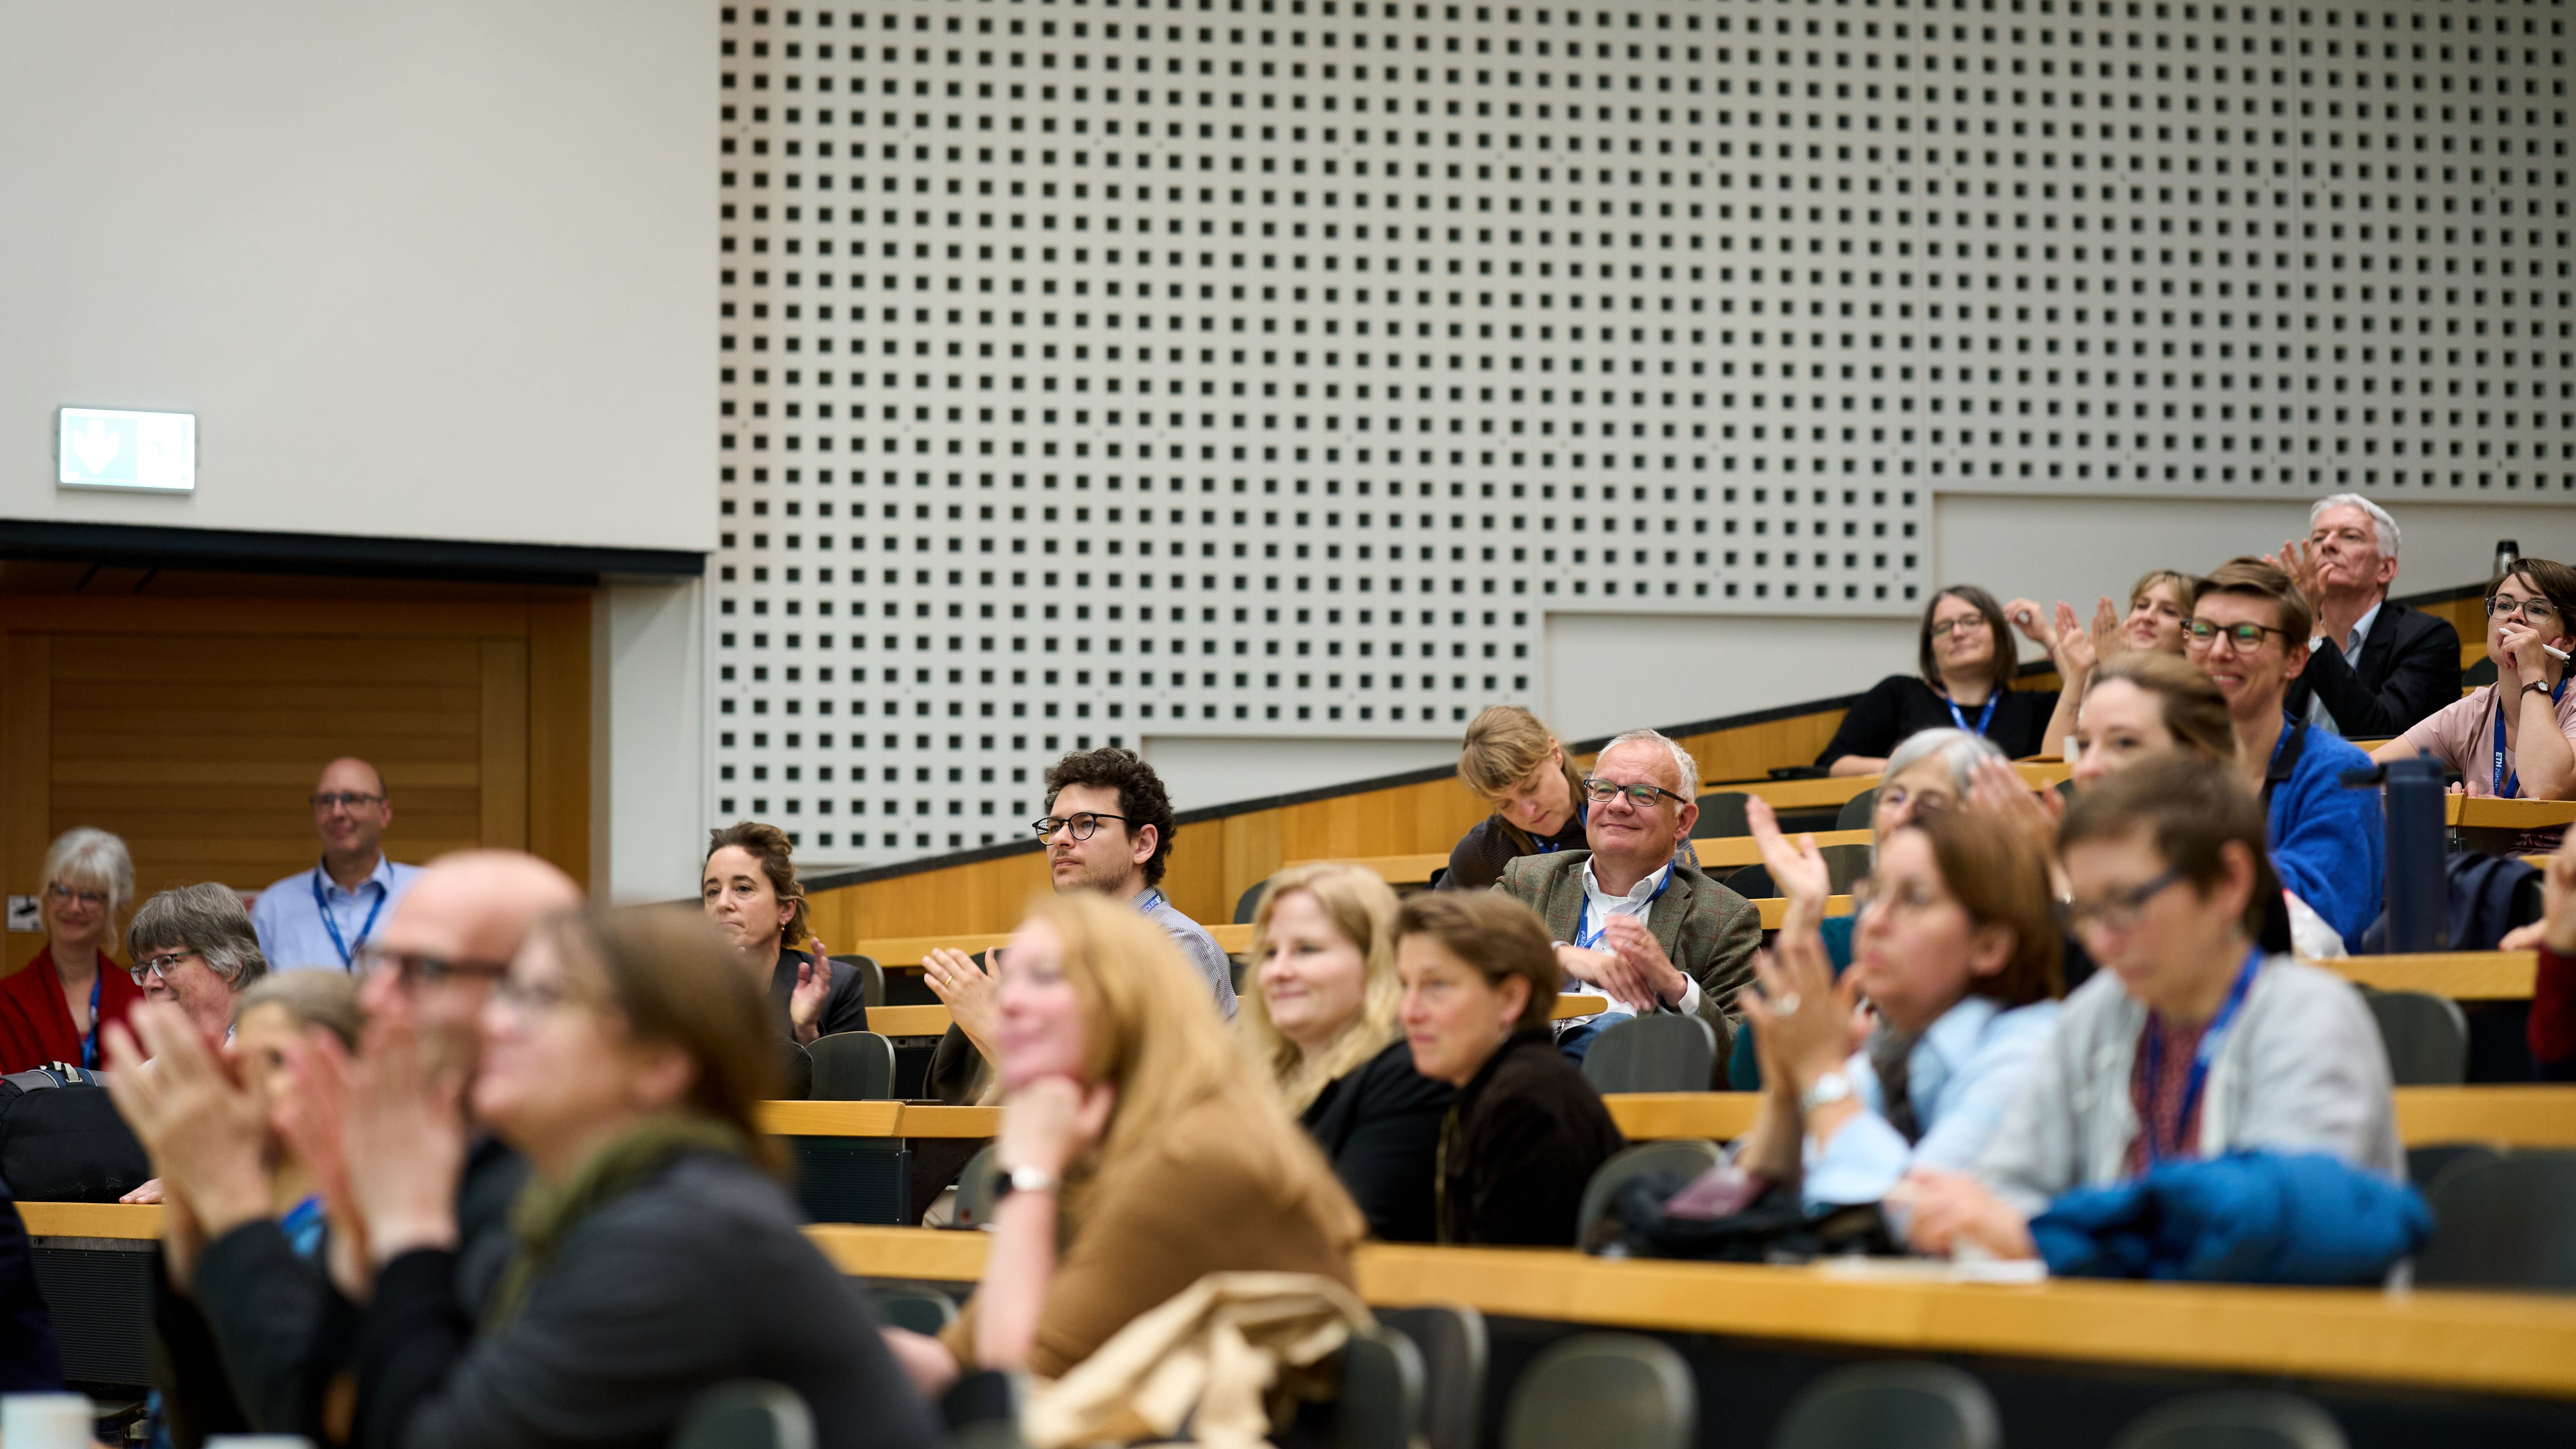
x,y
1984,716
303,1225
1592,938
89,1043
1150,899
2210,1041
348,953
2509,782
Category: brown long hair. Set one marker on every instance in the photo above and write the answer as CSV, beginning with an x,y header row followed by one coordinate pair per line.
x,y
770,846
2195,713
1504,744
1152,1030
1999,877
2006,661
676,982
1362,908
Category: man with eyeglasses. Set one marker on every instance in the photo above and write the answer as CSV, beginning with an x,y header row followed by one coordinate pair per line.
x,y
324,916
2249,633
268,1324
1633,917
2375,667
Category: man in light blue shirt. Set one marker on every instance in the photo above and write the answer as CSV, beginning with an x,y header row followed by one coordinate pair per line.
x,y
320,917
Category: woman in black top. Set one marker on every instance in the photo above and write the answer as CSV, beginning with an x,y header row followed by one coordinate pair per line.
x,y
657,1255
749,890
1320,1020
1512,762
1527,1131
1968,660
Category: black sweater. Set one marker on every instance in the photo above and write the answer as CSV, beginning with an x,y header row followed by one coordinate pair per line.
x,y
1901,705
696,1276
1379,1124
1477,860
1518,1146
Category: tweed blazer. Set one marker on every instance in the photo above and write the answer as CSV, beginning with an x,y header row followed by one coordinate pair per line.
x,y
1710,932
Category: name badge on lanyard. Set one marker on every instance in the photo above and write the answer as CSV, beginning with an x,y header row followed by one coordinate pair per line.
x,y
1591,939
348,952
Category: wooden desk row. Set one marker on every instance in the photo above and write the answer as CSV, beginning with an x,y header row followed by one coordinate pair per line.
x,y
2474,1342
2523,1117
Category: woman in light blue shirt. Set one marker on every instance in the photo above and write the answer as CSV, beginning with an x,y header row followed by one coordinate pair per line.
x,y
1956,951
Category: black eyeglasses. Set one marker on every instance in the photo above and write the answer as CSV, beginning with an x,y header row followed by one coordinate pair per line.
x,y
350,799
2117,911
1082,825
413,969
1602,792
2531,611
2245,638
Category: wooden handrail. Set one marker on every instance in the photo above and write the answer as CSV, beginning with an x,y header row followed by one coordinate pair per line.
x,y
2459,975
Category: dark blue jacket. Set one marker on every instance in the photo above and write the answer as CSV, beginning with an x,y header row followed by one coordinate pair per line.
x,y
2246,1217
29,1360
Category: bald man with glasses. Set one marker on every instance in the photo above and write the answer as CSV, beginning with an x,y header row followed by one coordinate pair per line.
x,y
1633,918
322,918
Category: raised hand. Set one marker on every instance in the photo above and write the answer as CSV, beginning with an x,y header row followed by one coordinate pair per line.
x,y
1798,871
2300,562
967,990
1644,957
2030,619
404,1140
1801,1015
202,1129
2075,652
313,1117
2107,638
1996,788
813,991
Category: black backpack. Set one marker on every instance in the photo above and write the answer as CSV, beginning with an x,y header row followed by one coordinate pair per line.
x,y
61,1139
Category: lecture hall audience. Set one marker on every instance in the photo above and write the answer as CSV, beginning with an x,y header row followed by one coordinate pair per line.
x,y
323,916
2515,738
279,1323
269,1023
2190,1041
1957,955
2375,667
748,888
1511,762
1140,1149
1966,660
51,1009
1526,1130
2159,614
1321,1019
1632,915
2249,633
655,1252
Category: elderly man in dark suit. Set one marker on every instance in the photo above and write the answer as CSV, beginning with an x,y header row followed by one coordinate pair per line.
x,y
2375,668
1633,917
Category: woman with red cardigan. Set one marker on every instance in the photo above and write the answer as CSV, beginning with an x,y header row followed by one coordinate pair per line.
x,y
51,1010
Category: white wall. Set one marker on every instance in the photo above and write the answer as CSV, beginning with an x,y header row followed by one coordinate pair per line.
x,y
648,739
440,271
2079,549
1199,771
1613,672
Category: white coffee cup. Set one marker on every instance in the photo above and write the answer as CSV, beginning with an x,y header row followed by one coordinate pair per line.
x,y
47,1421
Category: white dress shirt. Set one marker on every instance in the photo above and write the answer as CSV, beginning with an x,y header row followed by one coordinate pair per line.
x,y
1598,907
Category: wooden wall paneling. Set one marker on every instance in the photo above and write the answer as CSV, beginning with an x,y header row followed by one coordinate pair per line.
x,y
26,776
502,779
558,732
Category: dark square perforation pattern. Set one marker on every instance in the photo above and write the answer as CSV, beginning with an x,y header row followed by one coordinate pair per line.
x,y
1274,366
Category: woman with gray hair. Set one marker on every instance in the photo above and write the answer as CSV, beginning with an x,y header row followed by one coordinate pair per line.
x,y
51,1010
194,945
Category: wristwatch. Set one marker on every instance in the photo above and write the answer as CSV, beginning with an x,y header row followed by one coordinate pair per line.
x,y
2539,684
1830,1088
1022,1179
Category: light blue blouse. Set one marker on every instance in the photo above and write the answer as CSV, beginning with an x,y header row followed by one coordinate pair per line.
x,y
1970,1068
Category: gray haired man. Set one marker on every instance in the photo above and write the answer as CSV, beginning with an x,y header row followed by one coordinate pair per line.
x,y
2375,667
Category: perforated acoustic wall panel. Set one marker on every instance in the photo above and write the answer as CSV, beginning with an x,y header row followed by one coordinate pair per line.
x,y
1273,367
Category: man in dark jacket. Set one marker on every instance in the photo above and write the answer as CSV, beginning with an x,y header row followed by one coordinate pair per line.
x,y
275,1324
2375,668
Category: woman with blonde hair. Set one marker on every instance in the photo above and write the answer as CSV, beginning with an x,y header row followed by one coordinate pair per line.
x,y
1321,1022
1140,1150
51,1010
1511,761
